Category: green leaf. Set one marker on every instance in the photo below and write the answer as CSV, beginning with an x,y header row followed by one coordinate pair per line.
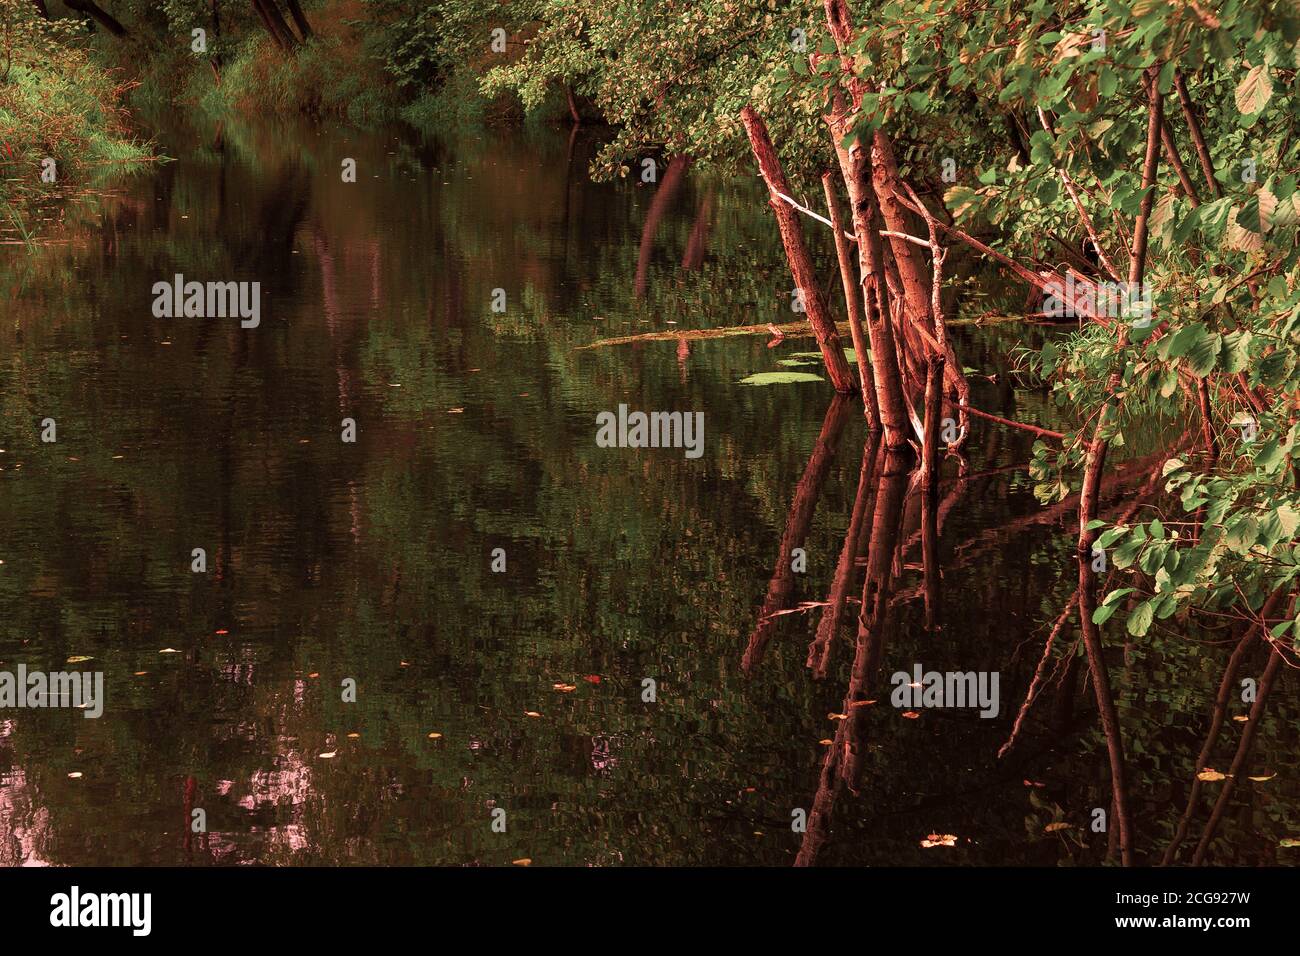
x,y
1204,353
780,378
1139,622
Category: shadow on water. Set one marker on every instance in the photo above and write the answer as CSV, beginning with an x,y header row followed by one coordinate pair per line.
x,y
525,688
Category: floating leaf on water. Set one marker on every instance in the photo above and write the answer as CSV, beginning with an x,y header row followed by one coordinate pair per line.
x,y
1210,775
780,378
849,353
939,839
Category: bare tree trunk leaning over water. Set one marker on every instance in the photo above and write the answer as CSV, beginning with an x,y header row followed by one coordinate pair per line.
x,y
796,251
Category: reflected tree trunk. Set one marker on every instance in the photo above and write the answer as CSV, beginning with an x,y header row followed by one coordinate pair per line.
x,y
1243,754
842,764
1227,685
806,493
663,198
833,615
698,242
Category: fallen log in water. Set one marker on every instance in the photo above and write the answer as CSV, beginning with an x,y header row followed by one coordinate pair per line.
x,y
787,330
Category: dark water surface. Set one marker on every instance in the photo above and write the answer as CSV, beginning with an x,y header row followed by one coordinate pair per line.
x,y
476,431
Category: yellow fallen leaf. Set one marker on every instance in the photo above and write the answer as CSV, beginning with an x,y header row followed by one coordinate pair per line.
x,y
1241,718
353,736
565,688
435,736
1053,827
1210,775
939,839
78,658
524,862
139,673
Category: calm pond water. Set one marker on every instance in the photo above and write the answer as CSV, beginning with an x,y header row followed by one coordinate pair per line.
x,y
373,561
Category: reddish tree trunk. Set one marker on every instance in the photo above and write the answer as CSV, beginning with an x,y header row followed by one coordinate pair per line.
x,y
852,302
916,283
1094,465
299,18
796,251
275,24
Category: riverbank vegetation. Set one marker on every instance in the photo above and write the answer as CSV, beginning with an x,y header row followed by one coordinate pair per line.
x,y
61,119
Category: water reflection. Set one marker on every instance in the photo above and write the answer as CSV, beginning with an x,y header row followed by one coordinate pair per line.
x,y
372,562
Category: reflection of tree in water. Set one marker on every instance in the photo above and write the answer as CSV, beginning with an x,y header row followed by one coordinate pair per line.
x,y
875,549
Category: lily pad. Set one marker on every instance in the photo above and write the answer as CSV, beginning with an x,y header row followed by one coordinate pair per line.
x,y
780,378
849,354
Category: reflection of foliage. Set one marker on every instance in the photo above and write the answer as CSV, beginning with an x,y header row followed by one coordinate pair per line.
x,y
372,561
